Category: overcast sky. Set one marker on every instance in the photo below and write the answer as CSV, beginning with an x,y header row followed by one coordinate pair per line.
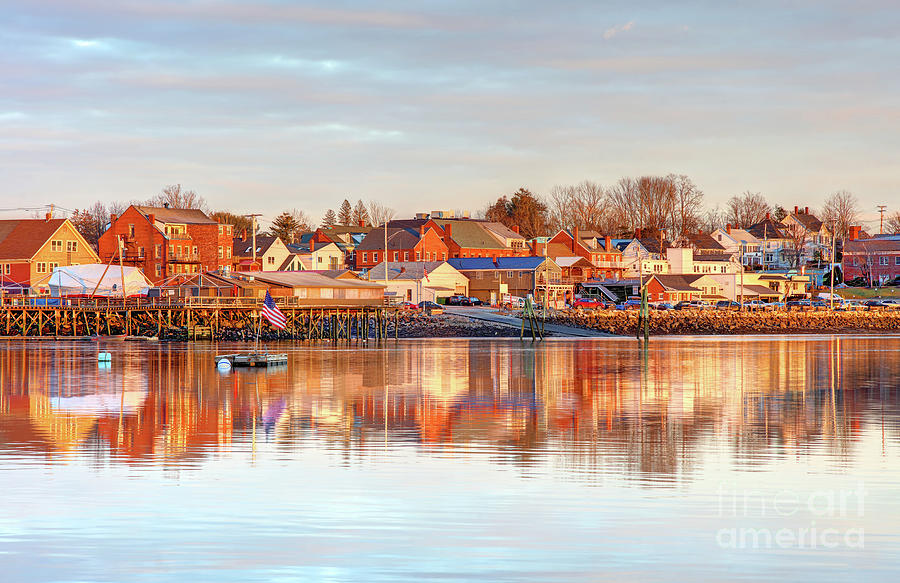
x,y
262,106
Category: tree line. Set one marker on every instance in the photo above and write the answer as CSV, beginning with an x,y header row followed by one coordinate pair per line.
x,y
667,206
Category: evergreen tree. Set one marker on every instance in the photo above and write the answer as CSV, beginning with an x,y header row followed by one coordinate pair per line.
x,y
329,219
345,213
285,227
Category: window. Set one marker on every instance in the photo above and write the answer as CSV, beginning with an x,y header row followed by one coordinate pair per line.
x,y
157,252
53,266
374,256
55,245
227,252
270,260
897,260
320,259
479,275
195,251
883,260
221,252
72,246
42,268
6,268
521,274
406,256
509,274
445,257
365,257
418,256
141,252
131,231
396,256
855,262
171,249
158,270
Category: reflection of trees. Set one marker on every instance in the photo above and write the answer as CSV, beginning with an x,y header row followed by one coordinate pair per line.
x,y
582,405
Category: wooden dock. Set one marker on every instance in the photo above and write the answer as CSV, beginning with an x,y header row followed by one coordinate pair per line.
x,y
218,320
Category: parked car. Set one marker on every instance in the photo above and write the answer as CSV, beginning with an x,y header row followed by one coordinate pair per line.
x,y
876,304
454,300
475,301
799,304
689,305
409,306
431,307
464,301
587,304
662,306
630,304
727,305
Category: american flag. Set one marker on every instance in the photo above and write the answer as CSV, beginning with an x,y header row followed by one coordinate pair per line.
x,y
272,313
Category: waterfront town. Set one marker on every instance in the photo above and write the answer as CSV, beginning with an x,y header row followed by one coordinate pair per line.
x,y
574,250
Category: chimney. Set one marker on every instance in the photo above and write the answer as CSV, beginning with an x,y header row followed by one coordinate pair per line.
x,y
796,210
152,218
112,218
637,233
312,244
806,210
574,238
854,233
421,230
48,216
607,243
515,229
448,231
768,216
728,228
362,223
243,234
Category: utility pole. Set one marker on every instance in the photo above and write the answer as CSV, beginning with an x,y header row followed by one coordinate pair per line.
x,y
253,228
881,209
832,264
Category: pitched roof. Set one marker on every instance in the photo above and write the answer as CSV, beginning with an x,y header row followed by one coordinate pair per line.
x,y
767,229
712,257
500,230
470,234
398,238
871,245
520,262
305,279
651,244
182,216
809,221
241,248
703,241
23,238
678,282
404,269
472,263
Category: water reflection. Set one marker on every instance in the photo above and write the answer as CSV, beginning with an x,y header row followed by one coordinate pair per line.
x,y
590,407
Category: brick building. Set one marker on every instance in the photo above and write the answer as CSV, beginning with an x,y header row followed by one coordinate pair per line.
x,y
164,241
875,260
406,241
31,248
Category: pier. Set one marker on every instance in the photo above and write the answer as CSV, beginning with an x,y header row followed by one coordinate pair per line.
x,y
188,319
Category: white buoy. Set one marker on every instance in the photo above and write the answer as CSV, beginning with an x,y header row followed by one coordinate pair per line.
x,y
224,365
104,357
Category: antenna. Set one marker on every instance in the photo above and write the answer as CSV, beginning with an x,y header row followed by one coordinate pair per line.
x,y
881,209
253,228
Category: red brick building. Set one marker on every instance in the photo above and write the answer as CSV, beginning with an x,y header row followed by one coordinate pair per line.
x,y
31,248
405,242
875,260
164,242
605,258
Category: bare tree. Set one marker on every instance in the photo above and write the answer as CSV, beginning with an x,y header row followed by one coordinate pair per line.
x,y
686,206
378,213
842,211
797,238
239,222
893,223
360,215
747,209
560,211
176,197
712,219
584,205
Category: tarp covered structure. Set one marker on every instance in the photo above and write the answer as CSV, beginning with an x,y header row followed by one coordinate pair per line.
x,y
81,280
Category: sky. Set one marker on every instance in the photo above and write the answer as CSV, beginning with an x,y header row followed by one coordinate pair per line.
x,y
263,106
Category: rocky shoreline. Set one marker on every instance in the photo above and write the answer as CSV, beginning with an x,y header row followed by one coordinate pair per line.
x,y
732,322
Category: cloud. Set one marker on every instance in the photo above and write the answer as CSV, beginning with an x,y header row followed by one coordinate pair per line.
x,y
611,32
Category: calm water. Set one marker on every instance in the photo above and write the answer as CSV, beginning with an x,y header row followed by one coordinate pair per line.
x,y
698,459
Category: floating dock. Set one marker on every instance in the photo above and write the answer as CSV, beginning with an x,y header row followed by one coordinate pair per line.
x,y
253,359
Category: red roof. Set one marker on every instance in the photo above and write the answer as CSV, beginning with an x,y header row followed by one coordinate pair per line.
x,y
23,238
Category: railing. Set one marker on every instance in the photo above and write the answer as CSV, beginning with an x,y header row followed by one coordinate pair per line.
x,y
161,302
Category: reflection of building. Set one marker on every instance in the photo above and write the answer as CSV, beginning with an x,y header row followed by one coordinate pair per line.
x,y
588,402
